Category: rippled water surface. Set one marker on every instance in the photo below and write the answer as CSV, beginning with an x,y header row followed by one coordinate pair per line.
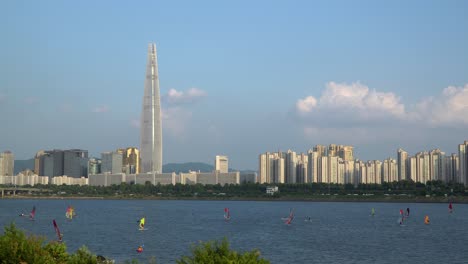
x,y
337,232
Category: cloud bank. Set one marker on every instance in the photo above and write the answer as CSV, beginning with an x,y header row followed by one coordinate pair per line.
x,y
355,102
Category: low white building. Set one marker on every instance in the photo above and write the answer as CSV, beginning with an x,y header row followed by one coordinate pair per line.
x,y
106,179
60,180
272,190
22,179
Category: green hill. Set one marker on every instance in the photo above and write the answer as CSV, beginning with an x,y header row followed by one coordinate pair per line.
x,y
186,167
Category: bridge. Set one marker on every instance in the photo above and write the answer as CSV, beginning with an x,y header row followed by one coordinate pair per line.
x,y
16,190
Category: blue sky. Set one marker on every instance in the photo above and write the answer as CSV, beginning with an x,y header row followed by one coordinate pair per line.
x,y
237,78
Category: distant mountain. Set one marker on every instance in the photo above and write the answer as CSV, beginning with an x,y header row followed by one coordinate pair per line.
x,y
186,167
21,165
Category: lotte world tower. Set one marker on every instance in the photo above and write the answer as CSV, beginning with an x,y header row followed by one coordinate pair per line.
x,y
151,130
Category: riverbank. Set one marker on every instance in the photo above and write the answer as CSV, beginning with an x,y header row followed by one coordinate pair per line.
x,y
318,198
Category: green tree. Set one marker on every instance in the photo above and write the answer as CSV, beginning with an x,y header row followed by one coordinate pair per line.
x,y
220,253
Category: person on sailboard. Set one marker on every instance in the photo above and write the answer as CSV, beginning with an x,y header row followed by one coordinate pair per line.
x,y
140,249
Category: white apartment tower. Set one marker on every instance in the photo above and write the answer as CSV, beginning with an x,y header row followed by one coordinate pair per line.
x,y
221,164
7,163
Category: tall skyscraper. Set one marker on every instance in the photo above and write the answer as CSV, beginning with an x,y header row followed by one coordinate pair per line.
x,y
151,129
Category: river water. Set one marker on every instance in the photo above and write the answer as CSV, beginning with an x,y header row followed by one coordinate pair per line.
x,y
336,233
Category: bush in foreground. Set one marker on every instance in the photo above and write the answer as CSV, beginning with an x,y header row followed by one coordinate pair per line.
x,y
16,247
220,253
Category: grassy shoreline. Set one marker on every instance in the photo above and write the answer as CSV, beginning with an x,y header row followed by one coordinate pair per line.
x,y
342,198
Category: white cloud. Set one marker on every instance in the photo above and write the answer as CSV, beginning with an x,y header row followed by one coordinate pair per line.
x,y
101,109
176,120
355,111
179,97
450,108
355,100
306,105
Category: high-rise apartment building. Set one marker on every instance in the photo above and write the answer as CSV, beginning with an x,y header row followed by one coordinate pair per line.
x,y
346,152
151,127
222,164
463,163
402,160
7,163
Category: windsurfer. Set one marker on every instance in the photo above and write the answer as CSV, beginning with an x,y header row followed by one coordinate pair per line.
x,y
140,249
22,214
407,211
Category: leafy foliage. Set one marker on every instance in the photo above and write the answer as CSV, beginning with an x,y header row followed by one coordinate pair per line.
x,y
219,253
16,247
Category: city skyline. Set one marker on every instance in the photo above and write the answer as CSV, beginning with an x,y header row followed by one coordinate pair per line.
x,y
236,80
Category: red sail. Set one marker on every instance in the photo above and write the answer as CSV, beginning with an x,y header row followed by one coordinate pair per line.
x,y
57,230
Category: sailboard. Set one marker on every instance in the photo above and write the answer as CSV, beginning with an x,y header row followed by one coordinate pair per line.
x,y
290,218
70,213
141,225
57,230
227,214
32,214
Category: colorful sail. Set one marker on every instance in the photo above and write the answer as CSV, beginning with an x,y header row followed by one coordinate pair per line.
x,y
142,223
57,230
33,213
426,220
227,214
70,213
288,220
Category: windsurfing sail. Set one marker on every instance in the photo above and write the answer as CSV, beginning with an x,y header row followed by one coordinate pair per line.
x,y
227,214
33,213
142,223
70,213
289,219
407,211
57,230
139,249
450,207
372,211
426,220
